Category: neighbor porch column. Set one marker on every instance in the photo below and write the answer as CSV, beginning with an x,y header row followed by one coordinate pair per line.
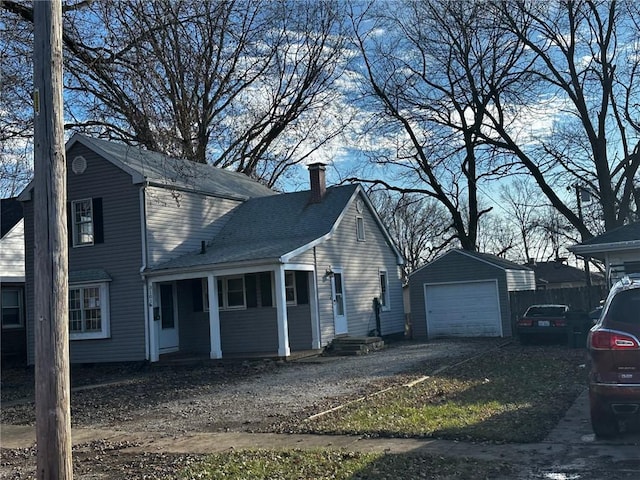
x,y
214,318
281,307
315,315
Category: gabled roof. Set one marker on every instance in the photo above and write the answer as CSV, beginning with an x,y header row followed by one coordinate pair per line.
x,y
488,258
10,214
557,272
626,237
275,229
161,170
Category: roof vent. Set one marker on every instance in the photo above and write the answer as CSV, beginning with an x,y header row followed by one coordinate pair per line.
x,y
79,165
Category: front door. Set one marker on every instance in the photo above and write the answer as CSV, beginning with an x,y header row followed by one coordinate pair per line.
x,y
168,341
339,306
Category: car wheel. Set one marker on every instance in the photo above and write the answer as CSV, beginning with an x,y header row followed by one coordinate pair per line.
x,y
603,422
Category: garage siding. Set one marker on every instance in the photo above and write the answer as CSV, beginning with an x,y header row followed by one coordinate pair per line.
x,y
454,267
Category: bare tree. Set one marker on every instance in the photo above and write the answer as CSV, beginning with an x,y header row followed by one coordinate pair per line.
x,y
586,60
418,226
524,208
432,71
242,84
16,108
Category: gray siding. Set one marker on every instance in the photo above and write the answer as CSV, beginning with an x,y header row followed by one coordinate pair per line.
x,y
193,326
299,321
361,262
120,255
249,331
518,280
450,268
177,221
12,254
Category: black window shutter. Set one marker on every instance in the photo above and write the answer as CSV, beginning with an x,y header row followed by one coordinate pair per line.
x,y
98,231
196,289
69,224
265,290
251,285
302,288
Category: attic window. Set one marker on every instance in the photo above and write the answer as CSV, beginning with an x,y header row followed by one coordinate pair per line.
x,y
360,229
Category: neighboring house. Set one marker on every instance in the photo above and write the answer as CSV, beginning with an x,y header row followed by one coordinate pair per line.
x,y
154,242
557,274
619,249
463,293
12,279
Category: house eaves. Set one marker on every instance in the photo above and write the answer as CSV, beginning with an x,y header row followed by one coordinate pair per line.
x,y
604,247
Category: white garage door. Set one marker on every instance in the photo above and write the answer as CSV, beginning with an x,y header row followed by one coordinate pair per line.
x,y
469,309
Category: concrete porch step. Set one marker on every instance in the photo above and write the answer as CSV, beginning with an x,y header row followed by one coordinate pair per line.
x,y
345,346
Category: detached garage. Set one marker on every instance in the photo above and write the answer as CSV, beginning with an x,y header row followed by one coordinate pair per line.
x,y
465,294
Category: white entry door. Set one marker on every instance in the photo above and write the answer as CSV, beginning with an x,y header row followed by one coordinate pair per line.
x,y
168,341
339,305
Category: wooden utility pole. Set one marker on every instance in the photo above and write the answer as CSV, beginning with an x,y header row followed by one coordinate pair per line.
x,y
51,312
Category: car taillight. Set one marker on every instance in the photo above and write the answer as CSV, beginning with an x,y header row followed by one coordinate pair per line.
x,y
609,340
560,323
525,322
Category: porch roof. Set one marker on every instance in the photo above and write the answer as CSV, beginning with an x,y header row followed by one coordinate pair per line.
x,y
269,228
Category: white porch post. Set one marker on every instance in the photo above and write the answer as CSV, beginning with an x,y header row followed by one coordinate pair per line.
x,y
281,307
315,314
214,318
154,349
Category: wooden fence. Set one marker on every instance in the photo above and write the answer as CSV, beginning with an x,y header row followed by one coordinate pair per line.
x,y
578,298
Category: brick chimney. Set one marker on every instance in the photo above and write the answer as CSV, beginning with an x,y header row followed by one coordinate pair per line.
x,y
317,181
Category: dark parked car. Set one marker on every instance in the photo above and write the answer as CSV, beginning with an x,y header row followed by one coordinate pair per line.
x,y
614,348
543,321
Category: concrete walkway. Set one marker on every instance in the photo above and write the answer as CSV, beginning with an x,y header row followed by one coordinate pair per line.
x,y
572,441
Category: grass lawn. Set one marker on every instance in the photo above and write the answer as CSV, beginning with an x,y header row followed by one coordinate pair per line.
x,y
338,465
512,394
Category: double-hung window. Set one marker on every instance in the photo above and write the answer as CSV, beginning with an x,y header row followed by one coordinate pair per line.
x,y
12,312
82,214
88,311
290,288
231,292
384,290
360,229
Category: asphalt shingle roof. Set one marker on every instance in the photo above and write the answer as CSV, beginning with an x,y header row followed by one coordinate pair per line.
x,y
161,169
495,260
270,227
556,272
626,233
10,214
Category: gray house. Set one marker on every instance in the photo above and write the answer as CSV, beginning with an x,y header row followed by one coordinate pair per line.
x,y
465,294
13,331
619,249
166,255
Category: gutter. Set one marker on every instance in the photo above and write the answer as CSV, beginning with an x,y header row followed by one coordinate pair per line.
x,y
605,247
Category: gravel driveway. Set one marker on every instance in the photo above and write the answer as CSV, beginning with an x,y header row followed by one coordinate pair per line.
x,y
249,396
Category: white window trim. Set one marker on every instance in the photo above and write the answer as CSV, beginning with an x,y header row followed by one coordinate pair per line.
x,y
74,225
360,235
105,332
225,293
385,298
291,274
20,309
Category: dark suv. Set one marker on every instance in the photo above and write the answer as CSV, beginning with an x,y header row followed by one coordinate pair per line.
x,y
614,347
